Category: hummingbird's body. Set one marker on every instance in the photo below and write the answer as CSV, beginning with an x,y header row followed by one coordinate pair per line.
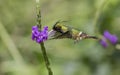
x,y
61,31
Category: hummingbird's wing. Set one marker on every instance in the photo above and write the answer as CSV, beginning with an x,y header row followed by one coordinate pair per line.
x,y
57,35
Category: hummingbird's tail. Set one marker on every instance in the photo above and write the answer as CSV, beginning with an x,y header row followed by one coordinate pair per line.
x,y
86,36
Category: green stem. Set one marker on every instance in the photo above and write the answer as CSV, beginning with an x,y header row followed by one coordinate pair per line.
x,y
10,44
97,16
47,63
38,14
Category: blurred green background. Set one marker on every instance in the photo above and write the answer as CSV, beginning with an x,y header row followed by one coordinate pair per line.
x,y
19,55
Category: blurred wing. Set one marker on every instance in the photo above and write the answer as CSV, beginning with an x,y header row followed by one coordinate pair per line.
x,y
57,35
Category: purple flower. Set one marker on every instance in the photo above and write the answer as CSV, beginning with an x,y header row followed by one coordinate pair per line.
x,y
104,43
112,38
39,36
107,36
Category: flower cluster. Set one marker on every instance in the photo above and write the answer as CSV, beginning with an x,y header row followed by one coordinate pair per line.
x,y
108,37
39,36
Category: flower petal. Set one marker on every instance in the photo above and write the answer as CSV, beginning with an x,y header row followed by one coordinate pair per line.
x,y
33,37
107,34
104,43
114,39
34,27
39,36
